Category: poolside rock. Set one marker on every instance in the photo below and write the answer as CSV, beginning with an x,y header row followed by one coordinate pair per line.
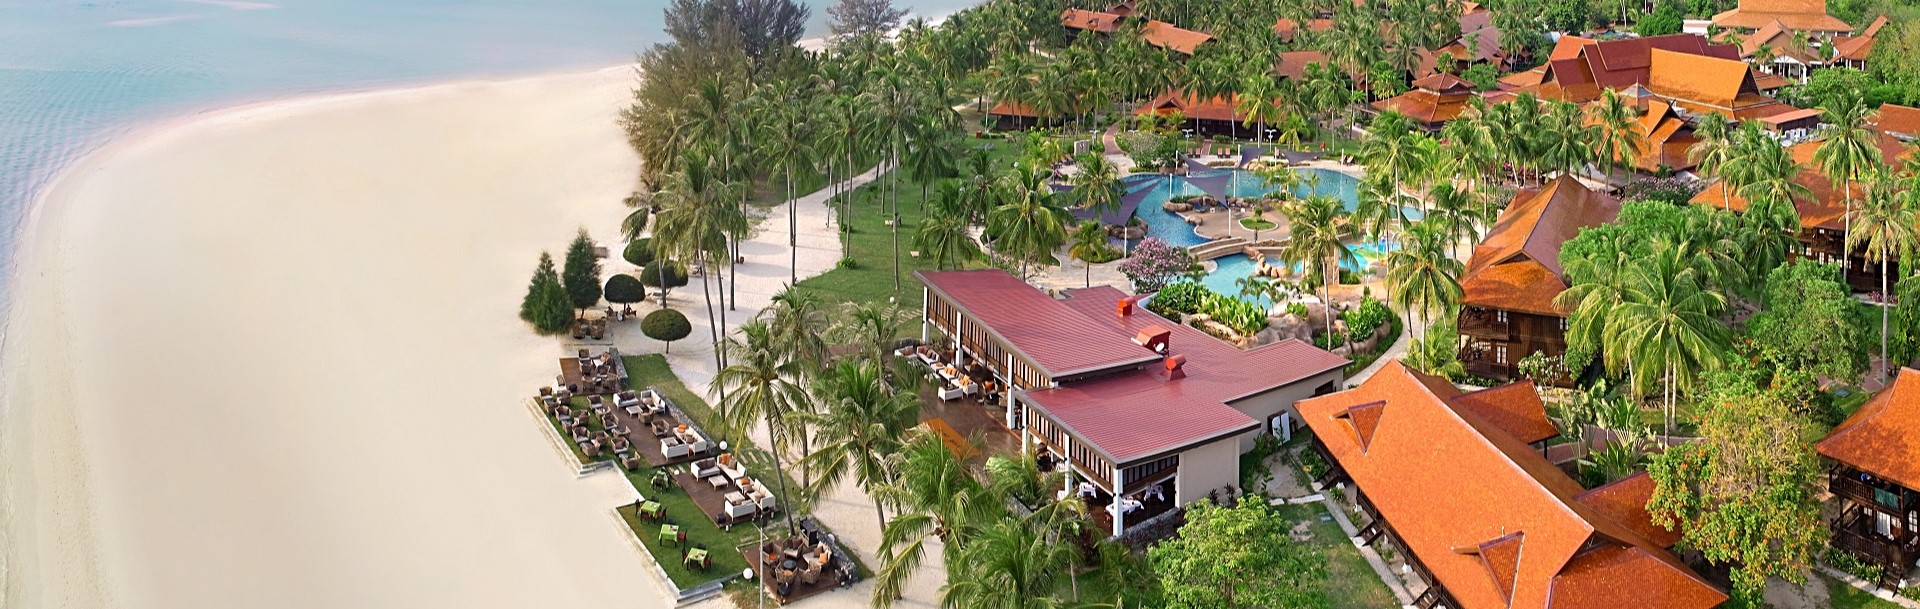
x,y
1282,327
1176,207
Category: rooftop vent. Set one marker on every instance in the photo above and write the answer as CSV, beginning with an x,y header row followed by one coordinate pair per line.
x,y
1125,305
1176,366
1153,337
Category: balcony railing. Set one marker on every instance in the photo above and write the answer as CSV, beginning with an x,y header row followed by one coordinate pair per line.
x,y
1485,367
1485,325
1856,535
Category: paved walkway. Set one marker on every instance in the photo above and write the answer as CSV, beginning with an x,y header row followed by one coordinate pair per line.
x,y
846,509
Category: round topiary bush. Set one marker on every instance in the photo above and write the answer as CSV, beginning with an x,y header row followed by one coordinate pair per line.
x,y
624,289
666,325
639,252
664,274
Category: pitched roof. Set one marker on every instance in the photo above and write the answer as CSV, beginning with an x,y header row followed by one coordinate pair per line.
x,y
1081,19
1698,78
1141,413
1444,82
1286,28
1046,332
1174,38
1217,108
1491,519
1517,266
1596,65
1901,121
1664,138
1293,64
1514,407
1012,108
1625,501
1797,15
1883,436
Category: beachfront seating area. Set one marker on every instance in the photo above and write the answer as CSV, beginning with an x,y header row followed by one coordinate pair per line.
x,y
954,381
606,421
802,565
725,490
590,374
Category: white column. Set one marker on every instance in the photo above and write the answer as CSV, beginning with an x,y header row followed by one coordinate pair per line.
x,y
1119,515
1026,435
926,307
1009,391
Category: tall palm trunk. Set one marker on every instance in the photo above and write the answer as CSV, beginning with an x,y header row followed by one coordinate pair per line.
x,y
793,231
733,240
715,319
1885,365
894,171
780,471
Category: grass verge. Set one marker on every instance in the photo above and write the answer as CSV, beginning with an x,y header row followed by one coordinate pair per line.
x,y
1351,582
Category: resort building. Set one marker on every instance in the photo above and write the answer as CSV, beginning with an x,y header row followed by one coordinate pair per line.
x,y
1683,70
1664,139
1823,210
1853,51
1779,49
1147,414
1157,33
1448,480
1013,116
1173,38
1898,122
1215,115
1479,42
1432,102
1288,29
1873,471
1506,308
1806,17
1082,20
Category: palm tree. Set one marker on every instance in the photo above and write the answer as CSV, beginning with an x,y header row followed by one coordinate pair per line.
x,y
1259,101
1421,274
1016,563
1378,207
1097,185
1089,242
1450,211
1437,351
1565,140
1616,121
697,216
1847,153
943,232
935,497
895,101
1669,321
1885,226
1596,283
798,324
1318,228
710,122
788,147
1393,148
1714,152
1027,224
860,424
764,385
874,326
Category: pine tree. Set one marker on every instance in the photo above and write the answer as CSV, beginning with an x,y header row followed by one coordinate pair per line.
x,y
546,305
541,274
582,274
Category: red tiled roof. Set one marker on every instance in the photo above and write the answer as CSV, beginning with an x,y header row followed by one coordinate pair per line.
x,y
1461,494
1882,437
1012,108
1898,120
1049,334
1615,63
1796,15
1514,407
1625,501
1287,28
1217,108
1699,78
1826,206
1081,19
1443,82
1293,64
1860,47
1140,414
1174,38
1517,266
1428,107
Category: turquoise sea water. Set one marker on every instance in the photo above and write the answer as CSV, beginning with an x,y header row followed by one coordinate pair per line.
x,y
74,73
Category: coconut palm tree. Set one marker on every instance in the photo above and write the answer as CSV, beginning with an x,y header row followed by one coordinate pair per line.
x,y
1884,226
1847,152
697,215
1668,321
787,145
1616,121
1378,207
1317,242
1260,103
1021,562
935,497
1565,139
860,423
873,326
894,100
1420,274
1596,283
1097,185
763,385
1088,242
1714,153
943,232
713,120
1450,211
1392,148
1027,224
1437,351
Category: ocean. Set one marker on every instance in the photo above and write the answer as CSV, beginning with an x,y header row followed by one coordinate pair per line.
x,y
75,74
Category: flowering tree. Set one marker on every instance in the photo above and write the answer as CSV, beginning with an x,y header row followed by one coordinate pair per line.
x,y
1154,264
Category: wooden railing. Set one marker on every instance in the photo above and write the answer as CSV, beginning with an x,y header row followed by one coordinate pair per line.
x,y
1485,325
1853,536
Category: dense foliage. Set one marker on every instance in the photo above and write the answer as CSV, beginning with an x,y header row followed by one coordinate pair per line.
x,y
1365,319
1154,264
666,325
546,304
581,272
1238,557
1811,323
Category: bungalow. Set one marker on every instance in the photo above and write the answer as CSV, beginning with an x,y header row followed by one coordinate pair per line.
x,y
1779,49
1808,17
1432,102
1173,38
1080,20
1507,310
1873,471
1853,51
1899,122
1483,520
1157,33
1219,114
1479,42
1146,414
1288,29
1013,116
1685,70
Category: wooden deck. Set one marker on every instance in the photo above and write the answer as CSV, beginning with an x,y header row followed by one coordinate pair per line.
x,y
606,373
713,499
783,575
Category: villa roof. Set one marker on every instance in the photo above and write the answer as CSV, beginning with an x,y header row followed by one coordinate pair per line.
x,y
1286,29
1796,15
1496,524
1082,19
1579,75
1216,108
1625,501
1517,266
1172,37
1012,108
1780,41
1859,47
1898,121
1427,106
1699,78
1047,333
1293,64
1513,407
1124,8
1664,139
1567,47
1142,413
1882,437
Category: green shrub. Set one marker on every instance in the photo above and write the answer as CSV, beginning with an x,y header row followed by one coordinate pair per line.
x,y
639,252
624,289
546,305
664,273
1178,299
1297,309
1348,277
1363,320
848,263
666,325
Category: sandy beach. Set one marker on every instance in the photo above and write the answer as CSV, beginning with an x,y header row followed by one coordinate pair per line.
x,y
269,357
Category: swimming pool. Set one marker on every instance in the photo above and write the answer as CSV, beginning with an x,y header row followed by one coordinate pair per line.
x,y
1228,270
1169,227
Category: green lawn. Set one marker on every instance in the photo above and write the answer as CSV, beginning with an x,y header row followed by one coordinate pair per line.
x,y
1842,596
870,246
1351,582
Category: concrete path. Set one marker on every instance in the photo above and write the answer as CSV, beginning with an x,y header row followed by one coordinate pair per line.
x,y
846,510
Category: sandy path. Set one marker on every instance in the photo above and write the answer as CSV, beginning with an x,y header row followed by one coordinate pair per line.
x,y
269,359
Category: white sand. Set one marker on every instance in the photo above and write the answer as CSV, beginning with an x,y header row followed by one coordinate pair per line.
x,y
269,358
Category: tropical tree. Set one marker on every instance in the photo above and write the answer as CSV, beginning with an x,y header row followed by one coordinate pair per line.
x,y
1884,228
789,146
1667,324
943,233
697,217
1238,557
1017,562
1714,153
1847,150
935,498
580,274
1393,148
546,304
1318,229
1097,185
1027,225
1617,124
763,385
1088,244
859,426
1421,275
1437,351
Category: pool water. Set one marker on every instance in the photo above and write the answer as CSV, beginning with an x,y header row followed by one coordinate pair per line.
x,y
1228,270
1169,227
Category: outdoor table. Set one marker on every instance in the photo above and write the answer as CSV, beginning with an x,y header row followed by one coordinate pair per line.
x,y
718,482
669,533
652,510
697,556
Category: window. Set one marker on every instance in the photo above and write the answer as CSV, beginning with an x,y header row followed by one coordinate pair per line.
x,y
1563,324
1500,316
1500,354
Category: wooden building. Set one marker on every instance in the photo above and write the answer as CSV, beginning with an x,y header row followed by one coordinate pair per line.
x,y
1873,471
1432,102
1218,115
1447,479
1507,311
1683,70
1147,413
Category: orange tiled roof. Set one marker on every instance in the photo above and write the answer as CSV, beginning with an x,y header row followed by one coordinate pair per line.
x,y
1426,106
1625,501
1515,408
1081,19
1217,108
1494,522
1883,436
1174,38
1699,78
1664,139
1826,206
1797,15
1898,120
1012,108
1293,64
1517,266
1287,28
